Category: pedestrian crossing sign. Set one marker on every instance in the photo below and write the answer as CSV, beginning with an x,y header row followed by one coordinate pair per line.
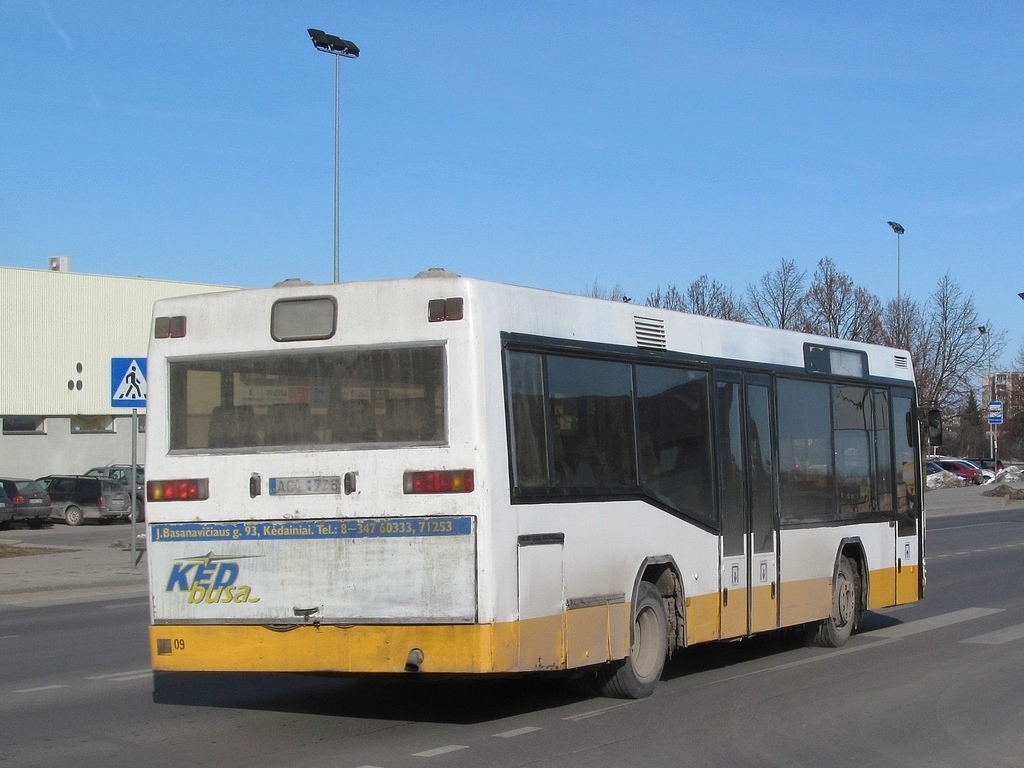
x,y
127,382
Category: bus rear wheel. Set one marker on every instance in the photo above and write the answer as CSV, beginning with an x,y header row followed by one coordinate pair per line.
x,y
636,676
837,628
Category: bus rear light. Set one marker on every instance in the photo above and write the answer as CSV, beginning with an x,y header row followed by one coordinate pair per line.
x,y
169,327
194,489
439,481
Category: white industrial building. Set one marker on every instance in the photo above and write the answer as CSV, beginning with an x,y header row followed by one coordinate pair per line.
x,y
59,333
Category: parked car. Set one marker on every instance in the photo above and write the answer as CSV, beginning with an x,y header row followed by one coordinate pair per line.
x,y
962,469
933,467
988,464
6,510
29,499
121,473
77,498
987,475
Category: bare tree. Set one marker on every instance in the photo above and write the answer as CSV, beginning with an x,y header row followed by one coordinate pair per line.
x,y
944,341
704,297
835,307
942,335
903,324
777,299
712,299
598,291
670,299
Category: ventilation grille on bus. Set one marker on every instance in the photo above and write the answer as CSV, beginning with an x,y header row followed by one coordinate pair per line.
x,y
650,333
902,361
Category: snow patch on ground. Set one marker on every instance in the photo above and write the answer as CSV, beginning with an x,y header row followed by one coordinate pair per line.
x,y
946,479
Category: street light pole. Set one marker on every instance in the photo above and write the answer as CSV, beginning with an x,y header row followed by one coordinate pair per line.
x,y
338,48
987,354
899,230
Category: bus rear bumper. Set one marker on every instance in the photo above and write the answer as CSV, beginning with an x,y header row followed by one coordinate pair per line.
x,y
441,649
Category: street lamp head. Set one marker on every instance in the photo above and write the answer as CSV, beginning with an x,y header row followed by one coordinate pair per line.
x,y
896,226
1021,295
333,44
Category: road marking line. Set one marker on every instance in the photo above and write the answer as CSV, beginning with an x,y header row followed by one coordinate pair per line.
x,y
134,672
126,678
518,732
801,662
596,712
966,552
41,688
440,750
121,606
935,622
887,635
998,637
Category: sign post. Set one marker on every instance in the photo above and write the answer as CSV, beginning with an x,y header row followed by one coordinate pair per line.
x,y
128,390
995,418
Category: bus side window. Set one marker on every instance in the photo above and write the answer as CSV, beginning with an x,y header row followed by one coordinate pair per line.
x,y
529,422
650,474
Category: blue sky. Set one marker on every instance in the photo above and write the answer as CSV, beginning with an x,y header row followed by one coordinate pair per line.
x,y
551,144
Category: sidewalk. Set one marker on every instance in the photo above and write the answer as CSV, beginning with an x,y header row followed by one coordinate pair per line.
x,y
65,574
105,569
955,501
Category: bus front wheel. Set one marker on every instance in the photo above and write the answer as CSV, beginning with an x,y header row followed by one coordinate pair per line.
x,y
834,631
636,676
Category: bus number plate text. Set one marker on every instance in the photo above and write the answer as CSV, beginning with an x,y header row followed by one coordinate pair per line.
x,y
304,486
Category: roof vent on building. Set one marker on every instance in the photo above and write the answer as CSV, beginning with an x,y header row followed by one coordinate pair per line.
x,y
650,333
59,263
291,282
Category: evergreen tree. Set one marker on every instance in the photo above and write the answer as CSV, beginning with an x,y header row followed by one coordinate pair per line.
x,y
973,437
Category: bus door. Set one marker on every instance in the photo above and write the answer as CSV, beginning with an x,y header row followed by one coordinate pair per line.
x,y
746,491
908,500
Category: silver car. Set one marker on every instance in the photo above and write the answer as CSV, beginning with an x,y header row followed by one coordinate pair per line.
x,y
121,473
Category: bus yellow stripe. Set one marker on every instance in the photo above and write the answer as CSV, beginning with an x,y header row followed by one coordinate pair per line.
x,y
588,636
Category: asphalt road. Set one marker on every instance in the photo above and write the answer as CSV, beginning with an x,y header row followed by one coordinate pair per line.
x,y
938,683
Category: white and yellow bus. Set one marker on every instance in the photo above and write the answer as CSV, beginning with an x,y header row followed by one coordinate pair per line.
x,y
444,475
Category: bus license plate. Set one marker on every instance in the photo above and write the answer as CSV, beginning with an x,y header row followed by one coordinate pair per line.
x,y
304,486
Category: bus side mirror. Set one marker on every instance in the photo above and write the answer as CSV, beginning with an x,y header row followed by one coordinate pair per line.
x,y
934,427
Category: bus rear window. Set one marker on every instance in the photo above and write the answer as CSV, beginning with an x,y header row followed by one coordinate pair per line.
x,y
318,398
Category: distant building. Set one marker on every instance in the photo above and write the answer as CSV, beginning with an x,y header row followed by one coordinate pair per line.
x,y
59,332
1000,385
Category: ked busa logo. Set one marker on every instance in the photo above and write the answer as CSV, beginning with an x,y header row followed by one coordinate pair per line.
x,y
210,578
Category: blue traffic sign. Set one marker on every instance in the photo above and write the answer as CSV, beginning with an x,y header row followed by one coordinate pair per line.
x,y
128,382
995,412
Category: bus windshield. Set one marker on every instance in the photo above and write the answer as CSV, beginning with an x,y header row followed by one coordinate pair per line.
x,y
323,397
